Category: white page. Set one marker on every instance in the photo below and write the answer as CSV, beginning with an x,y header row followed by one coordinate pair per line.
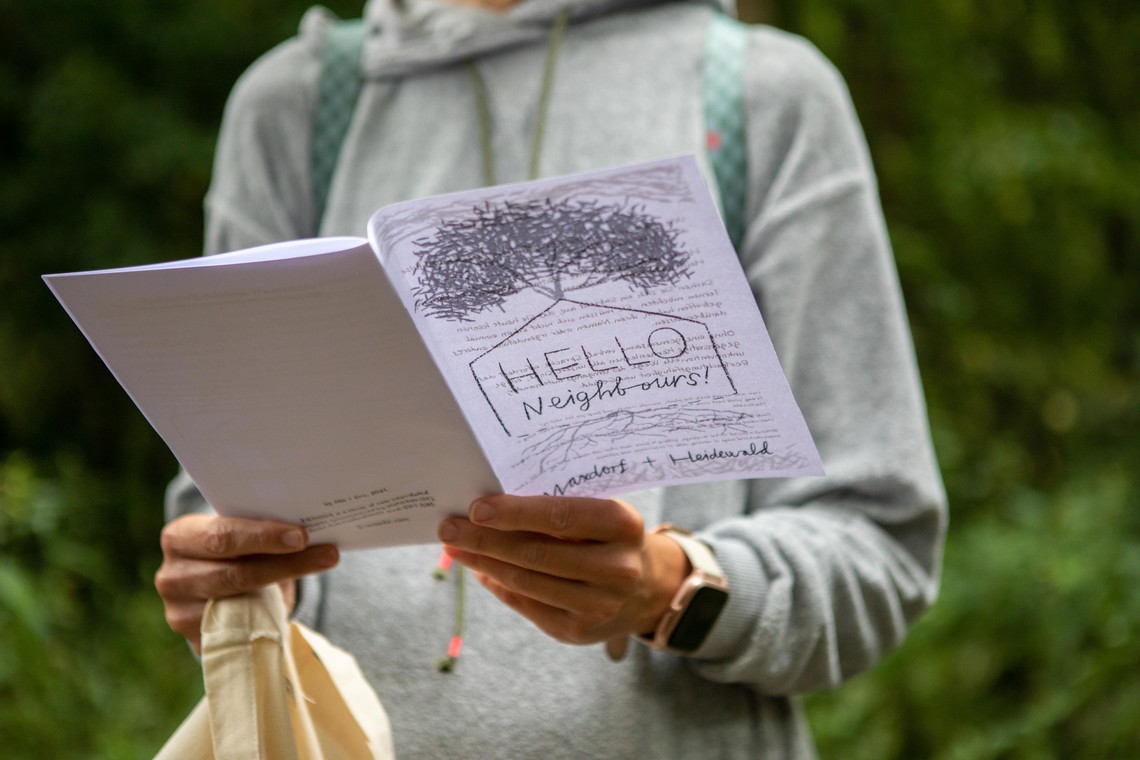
x,y
290,383
618,346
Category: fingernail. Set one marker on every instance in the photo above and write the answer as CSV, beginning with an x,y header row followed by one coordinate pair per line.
x,y
482,512
329,556
448,531
293,539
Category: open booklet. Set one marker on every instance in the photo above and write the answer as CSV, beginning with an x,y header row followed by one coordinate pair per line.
x,y
584,335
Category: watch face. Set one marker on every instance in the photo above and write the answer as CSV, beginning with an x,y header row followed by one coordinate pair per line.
x,y
697,620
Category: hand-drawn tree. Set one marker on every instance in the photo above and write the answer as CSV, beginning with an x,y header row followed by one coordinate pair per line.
x,y
475,262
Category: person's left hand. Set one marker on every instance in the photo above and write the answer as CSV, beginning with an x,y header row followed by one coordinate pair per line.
x,y
582,570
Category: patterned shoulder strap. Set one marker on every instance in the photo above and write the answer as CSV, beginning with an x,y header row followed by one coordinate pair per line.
x,y
337,91
722,93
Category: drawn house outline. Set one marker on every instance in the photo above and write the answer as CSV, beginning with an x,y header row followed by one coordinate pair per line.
x,y
560,303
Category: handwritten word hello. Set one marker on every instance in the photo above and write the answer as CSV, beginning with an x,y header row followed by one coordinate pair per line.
x,y
562,364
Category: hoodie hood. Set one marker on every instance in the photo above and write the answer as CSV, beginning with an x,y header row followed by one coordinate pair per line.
x,y
417,35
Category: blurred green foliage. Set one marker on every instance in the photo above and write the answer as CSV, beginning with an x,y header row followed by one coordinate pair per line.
x,y
1007,139
108,114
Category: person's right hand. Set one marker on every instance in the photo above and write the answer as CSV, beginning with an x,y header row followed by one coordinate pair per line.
x,y
206,557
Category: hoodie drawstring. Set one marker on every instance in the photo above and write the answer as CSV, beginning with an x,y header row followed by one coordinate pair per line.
x,y
483,109
487,151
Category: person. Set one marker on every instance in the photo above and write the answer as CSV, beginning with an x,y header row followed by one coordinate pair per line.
x,y
825,574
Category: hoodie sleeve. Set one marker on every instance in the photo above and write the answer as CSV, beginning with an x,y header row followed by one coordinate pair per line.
x,y
827,574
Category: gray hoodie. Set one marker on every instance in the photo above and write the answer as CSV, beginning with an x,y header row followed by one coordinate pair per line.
x,y
827,574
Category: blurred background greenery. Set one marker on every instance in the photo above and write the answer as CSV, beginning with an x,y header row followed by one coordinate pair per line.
x,y
1007,138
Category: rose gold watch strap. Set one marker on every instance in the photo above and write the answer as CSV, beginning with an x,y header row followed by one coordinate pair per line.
x,y
700,555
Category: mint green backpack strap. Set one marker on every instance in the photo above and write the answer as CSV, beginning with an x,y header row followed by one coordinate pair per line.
x,y
337,92
723,94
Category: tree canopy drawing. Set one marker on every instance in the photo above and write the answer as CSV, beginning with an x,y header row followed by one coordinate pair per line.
x,y
475,262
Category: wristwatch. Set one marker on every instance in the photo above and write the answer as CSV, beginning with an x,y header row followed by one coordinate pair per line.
x,y
697,603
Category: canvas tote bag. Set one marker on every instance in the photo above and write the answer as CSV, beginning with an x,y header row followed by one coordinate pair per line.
x,y
277,690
